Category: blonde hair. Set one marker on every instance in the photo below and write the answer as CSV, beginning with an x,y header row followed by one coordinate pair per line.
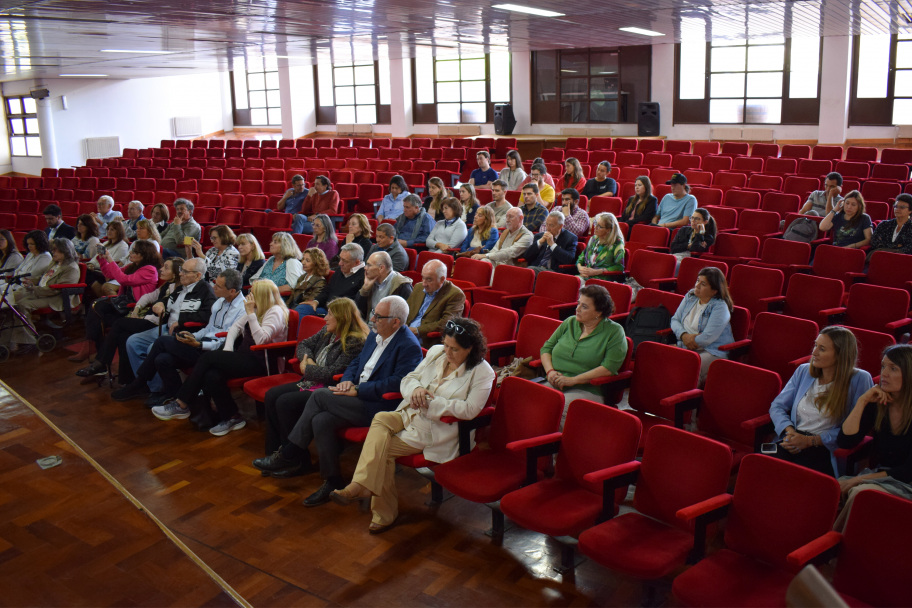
x,y
150,226
487,213
348,320
256,252
614,230
365,226
321,264
436,203
289,247
266,295
832,403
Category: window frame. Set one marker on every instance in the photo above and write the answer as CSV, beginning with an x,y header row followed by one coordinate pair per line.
x,y
621,98
873,111
10,117
426,113
326,115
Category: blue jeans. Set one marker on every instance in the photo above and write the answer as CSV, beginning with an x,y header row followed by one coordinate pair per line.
x,y
300,225
172,253
306,310
138,346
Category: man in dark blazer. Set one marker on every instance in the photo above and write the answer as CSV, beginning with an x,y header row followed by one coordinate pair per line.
x,y
56,229
390,352
435,303
554,247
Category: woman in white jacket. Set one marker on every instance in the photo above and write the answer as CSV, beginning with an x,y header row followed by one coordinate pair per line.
x,y
264,321
448,233
453,380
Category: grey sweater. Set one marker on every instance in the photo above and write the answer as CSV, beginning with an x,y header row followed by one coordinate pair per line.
x,y
336,359
453,235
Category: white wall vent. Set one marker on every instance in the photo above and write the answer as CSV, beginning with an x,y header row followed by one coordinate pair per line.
x,y
186,126
102,147
757,135
725,134
903,132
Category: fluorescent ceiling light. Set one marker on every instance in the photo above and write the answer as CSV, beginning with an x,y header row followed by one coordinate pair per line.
x,y
83,75
574,71
527,10
641,31
141,52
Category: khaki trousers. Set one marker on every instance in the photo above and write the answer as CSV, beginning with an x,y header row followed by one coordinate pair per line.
x,y
376,468
840,524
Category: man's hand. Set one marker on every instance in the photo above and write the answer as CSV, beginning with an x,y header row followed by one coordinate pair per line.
x,y
187,338
547,239
172,328
177,220
368,283
835,191
414,330
403,242
158,309
345,388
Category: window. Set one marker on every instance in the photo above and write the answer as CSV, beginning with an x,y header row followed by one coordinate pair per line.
x,y
882,86
255,92
22,122
459,89
353,93
769,80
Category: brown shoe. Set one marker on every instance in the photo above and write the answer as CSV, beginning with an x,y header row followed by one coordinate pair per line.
x,y
380,529
86,350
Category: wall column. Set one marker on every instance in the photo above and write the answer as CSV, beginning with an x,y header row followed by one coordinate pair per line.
x,y
521,71
835,86
46,133
401,118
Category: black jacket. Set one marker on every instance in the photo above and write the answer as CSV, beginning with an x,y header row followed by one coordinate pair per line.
x,y
64,231
196,307
563,254
251,270
340,286
649,212
700,244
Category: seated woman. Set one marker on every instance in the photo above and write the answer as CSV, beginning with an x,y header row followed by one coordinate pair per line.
x,y
321,356
265,321
850,224
284,267
250,257
136,279
116,248
160,216
886,412
512,173
147,231
324,236
809,411
573,176
433,203
702,322
391,205
10,257
36,262
545,176
586,346
483,235
895,235
696,238
140,319
312,280
41,294
452,380
223,255
469,202
450,232
642,206
359,232
86,240
605,250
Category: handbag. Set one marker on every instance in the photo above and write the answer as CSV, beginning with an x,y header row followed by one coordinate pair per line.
x,y
121,303
519,368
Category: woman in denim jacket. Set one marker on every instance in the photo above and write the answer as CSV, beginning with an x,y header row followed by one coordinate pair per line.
x,y
702,322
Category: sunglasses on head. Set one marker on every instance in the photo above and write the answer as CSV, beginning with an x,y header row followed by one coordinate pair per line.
x,y
454,327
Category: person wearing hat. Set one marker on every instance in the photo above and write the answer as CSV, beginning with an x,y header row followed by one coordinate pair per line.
x,y
677,207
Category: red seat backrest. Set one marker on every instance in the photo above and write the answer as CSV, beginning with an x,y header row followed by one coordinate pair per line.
x,y
749,285
873,307
720,415
778,340
679,369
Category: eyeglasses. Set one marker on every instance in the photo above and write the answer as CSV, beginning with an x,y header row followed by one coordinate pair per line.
x,y
900,206
454,327
374,315
182,271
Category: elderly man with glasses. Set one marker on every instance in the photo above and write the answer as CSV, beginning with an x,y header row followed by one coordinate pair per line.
x,y
390,352
380,280
434,304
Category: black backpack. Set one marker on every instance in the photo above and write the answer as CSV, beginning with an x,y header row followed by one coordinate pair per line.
x,y
644,323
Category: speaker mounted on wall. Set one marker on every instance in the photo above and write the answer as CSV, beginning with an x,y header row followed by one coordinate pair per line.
x,y
648,119
504,120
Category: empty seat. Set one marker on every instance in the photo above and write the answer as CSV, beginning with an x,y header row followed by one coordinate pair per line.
x,y
876,308
776,343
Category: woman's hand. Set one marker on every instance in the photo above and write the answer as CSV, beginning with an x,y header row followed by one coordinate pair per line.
x,y
349,238
250,304
794,441
197,248
420,398
303,365
847,484
443,246
875,394
690,341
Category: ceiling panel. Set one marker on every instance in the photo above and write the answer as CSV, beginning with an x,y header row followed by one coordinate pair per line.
x,y
46,38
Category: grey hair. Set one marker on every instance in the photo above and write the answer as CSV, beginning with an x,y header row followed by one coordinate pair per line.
x,y
135,204
413,200
202,264
558,216
438,267
329,232
354,250
185,203
387,229
384,258
232,278
107,200
398,308
65,246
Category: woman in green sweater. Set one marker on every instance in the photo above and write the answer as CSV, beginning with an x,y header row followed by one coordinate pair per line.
x,y
605,250
586,346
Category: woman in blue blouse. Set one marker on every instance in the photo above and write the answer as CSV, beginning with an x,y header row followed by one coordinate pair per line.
x,y
391,206
482,236
702,322
284,267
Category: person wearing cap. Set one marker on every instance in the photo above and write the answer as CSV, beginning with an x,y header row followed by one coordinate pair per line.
x,y
677,207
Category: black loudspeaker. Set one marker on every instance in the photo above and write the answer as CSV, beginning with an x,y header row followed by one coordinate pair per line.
x,y
504,121
648,124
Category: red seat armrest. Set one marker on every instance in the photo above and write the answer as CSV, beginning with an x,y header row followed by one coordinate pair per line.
x,y
194,324
681,397
615,471
666,284
802,268
70,286
433,334
488,411
735,345
337,377
609,379
802,555
757,422
273,345
704,507
828,312
222,334
392,396
531,442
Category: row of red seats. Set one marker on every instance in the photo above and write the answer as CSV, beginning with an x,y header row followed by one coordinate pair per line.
x,y
341,142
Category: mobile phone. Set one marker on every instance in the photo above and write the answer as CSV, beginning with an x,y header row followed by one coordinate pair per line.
x,y
188,240
769,448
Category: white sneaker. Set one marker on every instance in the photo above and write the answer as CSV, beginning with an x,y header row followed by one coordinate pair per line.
x,y
170,410
223,428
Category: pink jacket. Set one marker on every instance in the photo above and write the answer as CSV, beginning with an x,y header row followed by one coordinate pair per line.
x,y
142,281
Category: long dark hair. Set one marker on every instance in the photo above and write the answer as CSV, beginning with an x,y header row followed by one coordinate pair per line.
x,y
901,355
710,221
639,203
10,246
149,254
467,333
90,224
853,223
717,283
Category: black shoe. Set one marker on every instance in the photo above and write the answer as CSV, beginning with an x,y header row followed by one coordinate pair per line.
x,y
155,399
306,468
321,496
96,368
130,392
274,463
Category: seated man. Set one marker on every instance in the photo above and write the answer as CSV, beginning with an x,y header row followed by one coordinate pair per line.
x,y
500,205
183,227
576,220
293,200
601,184
677,206
106,213
390,352
513,241
484,175
321,198
380,280
171,353
537,176
556,247
386,241
134,216
821,202
534,211
344,283
56,227
415,224
434,304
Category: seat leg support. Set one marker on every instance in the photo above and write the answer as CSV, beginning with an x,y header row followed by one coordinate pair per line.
x,y
569,558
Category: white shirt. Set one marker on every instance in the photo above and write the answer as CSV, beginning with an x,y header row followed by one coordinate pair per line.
x,y
354,270
692,320
809,418
375,357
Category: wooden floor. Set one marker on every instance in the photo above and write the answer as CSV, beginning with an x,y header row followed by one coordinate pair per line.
x,y
254,531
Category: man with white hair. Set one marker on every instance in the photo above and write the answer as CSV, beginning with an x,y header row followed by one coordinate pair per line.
x,y
434,304
134,215
512,243
106,213
390,352
380,280
555,247
344,283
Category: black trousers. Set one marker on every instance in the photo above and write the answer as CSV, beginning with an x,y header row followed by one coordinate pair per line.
x,y
102,314
814,458
166,358
284,405
211,375
116,342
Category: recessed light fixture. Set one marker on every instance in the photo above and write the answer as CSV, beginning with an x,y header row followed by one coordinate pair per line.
x,y
641,31
527,10
135,51
574,71
83,75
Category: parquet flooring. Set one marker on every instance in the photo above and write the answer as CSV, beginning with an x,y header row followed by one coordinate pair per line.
x,y
255,533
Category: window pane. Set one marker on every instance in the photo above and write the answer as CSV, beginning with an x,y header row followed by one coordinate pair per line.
x,y
903,55
345,115
737,42
259,117
275,116
325,85
473,91
574,88
240,90
473,69
18,146
270,64
805,59
384,67
30,106
448,112
15,106
345,96
473,112
726,85
33,146
873,66
366,94
603,87
693,70
903,86
273,99
272,80
367,115
500,77
726,110
447,91
424,70
447,70
764,84
545,66
574,64
603,63
603,111
256,82
31,124
344,76
364,74
255,65
574,111
257,99
763,111
18,126
728,59
765,58
902,112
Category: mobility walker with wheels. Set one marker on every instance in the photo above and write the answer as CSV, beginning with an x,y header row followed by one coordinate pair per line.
x,y
13,319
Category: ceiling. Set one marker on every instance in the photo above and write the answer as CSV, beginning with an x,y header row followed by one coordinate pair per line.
x,y
46,38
